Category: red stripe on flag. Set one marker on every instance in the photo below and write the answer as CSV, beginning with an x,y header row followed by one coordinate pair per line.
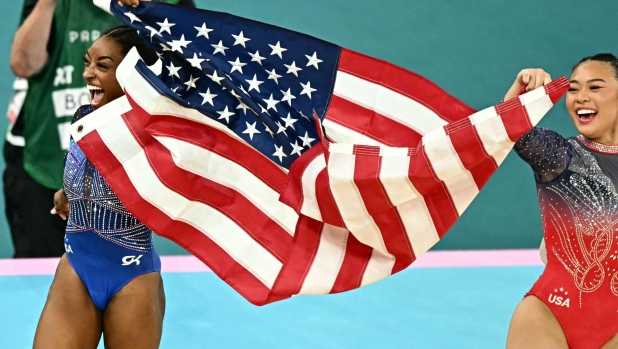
x,y
230,203
514,117
184,234
437,198
557,88
292,194
379,207
326,201
295,269
406,83
371,124
471,151
216,141
353,267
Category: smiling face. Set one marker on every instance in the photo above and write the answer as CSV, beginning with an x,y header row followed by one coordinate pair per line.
x,y
100,63
592,101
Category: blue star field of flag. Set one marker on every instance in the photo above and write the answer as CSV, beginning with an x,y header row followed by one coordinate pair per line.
x,y
260,81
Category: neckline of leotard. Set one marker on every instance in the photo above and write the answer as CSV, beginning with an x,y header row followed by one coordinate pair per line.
x,y
598,147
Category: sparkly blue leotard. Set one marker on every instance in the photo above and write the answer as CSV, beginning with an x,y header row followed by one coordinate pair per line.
x,y
104,243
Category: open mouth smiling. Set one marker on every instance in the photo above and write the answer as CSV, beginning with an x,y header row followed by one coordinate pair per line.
x,y
96,95
586,115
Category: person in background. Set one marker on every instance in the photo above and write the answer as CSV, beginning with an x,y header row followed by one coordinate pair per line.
x,y
47,50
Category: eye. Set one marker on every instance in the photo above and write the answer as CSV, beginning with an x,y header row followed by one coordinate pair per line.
x,y
86,62
102,66
594,87
572,89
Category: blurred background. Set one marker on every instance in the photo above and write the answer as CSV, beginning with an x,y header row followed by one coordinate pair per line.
x,y
472,49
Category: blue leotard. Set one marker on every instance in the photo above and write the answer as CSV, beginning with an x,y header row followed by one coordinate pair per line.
x,y
104,243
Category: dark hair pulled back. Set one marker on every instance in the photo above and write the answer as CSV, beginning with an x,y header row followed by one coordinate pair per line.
x,y
602,57
127,38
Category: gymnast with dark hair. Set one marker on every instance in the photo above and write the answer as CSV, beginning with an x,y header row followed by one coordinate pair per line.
x,y
574,303
108,282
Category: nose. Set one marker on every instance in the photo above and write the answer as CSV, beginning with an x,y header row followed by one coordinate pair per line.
x,y
582,96
87,74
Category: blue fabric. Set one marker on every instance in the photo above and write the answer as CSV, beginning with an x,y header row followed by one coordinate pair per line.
x,y
105,267
94,206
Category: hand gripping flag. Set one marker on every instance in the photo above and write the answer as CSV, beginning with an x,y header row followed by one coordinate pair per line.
x,y
287,164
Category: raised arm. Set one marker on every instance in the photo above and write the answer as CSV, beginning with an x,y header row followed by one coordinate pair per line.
x,y
29,50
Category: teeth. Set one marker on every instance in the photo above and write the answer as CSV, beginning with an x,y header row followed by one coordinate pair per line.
x,y
586,111
94,88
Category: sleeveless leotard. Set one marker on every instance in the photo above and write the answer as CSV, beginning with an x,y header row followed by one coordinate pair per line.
x,y
106,246
576,185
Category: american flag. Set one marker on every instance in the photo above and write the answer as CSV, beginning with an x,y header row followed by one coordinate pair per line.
x,y
287,164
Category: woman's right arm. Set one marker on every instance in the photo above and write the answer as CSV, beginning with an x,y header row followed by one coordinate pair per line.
x,y
546,151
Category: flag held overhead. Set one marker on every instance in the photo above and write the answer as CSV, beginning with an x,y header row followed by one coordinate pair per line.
x,y
217,152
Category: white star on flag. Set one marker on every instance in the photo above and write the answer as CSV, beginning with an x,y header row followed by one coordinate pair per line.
x,y
203,31
240,39
237,65
251,130
219,48
191,82
244,107
307,89
225,114
277,49
287,96
208,97
165,26
254,84
307,140
289,121
164,48
255,57
314,60
279,153
195,61
153,32
271,103
269,131
132,17
214,77
293,69
177,44
281,128
173,70
296,149
272,75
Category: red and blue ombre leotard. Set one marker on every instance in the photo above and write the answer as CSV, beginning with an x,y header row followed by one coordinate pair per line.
x,y
576,186
106,246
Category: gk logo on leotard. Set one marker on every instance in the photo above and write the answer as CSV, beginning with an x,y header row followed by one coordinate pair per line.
x,y
128,260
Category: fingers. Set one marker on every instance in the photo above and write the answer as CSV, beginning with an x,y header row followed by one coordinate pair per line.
x,y
533,78
62,214
128,2
527,80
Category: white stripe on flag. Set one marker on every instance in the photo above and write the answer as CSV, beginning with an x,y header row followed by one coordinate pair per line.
x,y
387,102
379,266
224,232
342,134
408,201
327,261
348,199
448,168
310,206
216,168
536,105
492,133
